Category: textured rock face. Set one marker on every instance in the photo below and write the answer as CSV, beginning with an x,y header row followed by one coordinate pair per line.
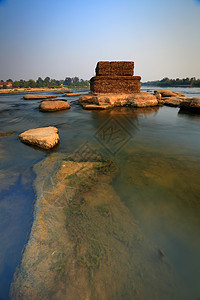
x,y
115,77
45,137
55,105
35,97
115,84
191,105
106,101
115,68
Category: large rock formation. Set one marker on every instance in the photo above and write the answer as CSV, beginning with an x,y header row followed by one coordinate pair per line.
x,y
115,85
115,77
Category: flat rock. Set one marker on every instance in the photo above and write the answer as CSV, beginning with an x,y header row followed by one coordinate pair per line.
x,y
142,99
72,94
45,137
55,105
36,97
191,105
168,93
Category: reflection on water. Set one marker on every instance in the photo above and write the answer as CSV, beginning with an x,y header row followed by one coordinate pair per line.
x,y
158,176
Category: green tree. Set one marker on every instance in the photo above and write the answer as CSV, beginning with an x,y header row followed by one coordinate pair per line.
x,y
67,81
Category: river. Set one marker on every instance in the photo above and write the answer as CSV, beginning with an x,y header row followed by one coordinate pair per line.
x,y
157,152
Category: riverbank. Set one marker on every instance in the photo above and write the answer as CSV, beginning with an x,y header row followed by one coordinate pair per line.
x,y
25,90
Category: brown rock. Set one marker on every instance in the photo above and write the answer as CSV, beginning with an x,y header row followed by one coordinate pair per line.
x,y
96,107
115,84
55,105
36,97
191,105
115,68
142,99
45,137
168,93
72,94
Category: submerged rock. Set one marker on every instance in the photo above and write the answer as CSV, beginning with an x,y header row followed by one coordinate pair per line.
x,y
85,243
55,105
45,137
36,97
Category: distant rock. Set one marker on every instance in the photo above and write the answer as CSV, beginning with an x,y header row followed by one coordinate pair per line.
x,y
64,92
72,94
45,137
95,106
55,105
191,105
5,133
168,93
36,97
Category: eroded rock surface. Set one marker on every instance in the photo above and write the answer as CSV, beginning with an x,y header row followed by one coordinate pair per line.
x,y
55,105
84,243
45,137
142,99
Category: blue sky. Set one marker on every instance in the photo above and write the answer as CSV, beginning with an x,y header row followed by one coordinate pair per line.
x,y
66,38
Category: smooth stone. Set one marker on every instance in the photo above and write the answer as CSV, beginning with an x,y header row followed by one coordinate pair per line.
x,y
35,97
55,105
45,137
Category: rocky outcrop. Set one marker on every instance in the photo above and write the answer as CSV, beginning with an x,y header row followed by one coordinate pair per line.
x,y
191,105
170,98
36,97
105,101
168,93
45,137
55,105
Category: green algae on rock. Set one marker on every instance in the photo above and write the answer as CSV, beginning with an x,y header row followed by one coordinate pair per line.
x,y
84,243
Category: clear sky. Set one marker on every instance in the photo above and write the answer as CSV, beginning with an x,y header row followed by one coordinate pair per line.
x,y
66,38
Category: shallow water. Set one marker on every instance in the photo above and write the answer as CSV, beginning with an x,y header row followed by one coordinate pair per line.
x,y
158,155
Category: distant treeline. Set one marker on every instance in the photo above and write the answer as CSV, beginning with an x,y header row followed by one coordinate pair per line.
x,y
166,82
48,82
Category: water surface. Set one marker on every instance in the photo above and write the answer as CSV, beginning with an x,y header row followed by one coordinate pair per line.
x,y
158,155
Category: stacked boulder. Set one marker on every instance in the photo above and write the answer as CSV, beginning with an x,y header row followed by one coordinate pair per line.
x,y
115,85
